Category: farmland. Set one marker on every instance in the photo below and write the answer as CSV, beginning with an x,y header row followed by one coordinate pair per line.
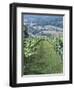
x,y
42,44
42,56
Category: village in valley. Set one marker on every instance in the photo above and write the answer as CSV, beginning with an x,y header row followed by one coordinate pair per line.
x,y
44,31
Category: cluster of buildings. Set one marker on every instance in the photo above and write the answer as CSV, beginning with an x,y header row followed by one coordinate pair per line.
x,y
35,30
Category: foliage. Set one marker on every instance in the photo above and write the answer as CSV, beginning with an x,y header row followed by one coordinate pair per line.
x,y
58,46
30,46
42,56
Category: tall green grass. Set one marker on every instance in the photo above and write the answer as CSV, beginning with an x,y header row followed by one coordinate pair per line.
x,y
41,56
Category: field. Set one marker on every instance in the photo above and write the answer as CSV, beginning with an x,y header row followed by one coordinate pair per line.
x,y
43,55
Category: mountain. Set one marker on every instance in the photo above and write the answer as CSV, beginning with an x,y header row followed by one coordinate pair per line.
x,y
41,25
44,20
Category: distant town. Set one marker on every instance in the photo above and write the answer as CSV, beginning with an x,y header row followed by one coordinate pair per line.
x,y
46,30
43,26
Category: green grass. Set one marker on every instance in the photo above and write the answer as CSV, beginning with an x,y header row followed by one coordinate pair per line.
x,y
45,61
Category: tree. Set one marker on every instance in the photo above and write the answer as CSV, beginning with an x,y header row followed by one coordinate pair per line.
x,y
25,30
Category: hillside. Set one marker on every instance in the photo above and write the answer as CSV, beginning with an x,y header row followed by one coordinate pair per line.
x,y
44,60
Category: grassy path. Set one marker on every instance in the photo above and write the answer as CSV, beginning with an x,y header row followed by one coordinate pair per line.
x,y
46,61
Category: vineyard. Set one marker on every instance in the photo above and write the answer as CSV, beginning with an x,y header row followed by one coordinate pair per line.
x,y
43,44
43,55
